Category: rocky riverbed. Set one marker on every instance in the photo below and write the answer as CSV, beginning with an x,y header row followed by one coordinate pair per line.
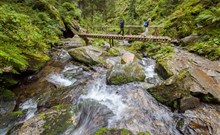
x,y
83,89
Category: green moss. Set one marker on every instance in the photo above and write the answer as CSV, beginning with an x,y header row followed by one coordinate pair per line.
x,y
104,131
101,131
114,51
173,89
143,133
7,94
17,113
163,69
42,115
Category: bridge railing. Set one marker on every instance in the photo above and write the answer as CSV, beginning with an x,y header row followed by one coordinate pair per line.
x,y
129,29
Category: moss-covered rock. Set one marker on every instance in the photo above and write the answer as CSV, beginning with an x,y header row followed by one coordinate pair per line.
x,y
115,51
172,90
112,131
7,101
163,69
125,73
88,55
53,121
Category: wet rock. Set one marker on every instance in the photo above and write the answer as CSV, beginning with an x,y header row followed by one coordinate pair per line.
x,y
74,42
189,103
105,131
115,51
204,74
52,121
127,58
106,46
10,120
125,73
153,80
7,101
88,55
92,117
163,69
208,84
111,61
171,90
201,120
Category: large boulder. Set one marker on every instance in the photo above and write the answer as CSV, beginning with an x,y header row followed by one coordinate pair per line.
x,y
203,79
74,42
88,55
172,90
53,121
125,73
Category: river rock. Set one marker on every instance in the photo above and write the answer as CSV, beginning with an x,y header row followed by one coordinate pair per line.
x,y
111,61
52,121
201,80
189,103
70,43
127,58
7,101
116,51
172,89
125,73
88,55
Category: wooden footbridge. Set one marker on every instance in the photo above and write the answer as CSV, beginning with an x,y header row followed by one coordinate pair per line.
x,y
111,37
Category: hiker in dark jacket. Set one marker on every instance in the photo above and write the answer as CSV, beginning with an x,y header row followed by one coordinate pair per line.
x,y
121,28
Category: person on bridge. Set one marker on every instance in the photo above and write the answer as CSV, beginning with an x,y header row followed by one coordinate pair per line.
x,y
146,24
121,27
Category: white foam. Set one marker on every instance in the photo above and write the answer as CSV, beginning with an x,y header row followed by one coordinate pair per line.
x,y
113,101
31,106
59,79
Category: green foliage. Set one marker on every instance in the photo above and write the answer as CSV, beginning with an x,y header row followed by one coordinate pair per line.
x,y
155,50
27,29
6,95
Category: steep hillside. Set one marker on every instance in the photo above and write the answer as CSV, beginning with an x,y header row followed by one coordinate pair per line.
x,y
27,29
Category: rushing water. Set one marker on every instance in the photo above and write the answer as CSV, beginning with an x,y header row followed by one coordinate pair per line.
x,y
127,106
132,107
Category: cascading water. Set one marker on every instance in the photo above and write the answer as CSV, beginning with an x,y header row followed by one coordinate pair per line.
x,y
132,107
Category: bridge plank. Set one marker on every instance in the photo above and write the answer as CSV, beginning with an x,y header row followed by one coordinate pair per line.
x,y
128,37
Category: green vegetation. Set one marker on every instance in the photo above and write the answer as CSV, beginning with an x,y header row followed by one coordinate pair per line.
x,y
113,131
179,19
6,95
27,29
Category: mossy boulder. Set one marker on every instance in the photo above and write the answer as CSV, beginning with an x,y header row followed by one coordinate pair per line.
x,y
89,55
53,121
163,69
7,101
125,73
173,89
